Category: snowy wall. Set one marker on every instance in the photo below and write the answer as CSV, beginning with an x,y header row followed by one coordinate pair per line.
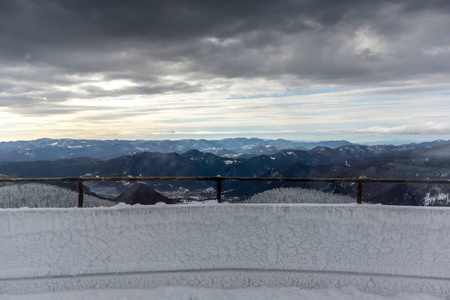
x,y
373,247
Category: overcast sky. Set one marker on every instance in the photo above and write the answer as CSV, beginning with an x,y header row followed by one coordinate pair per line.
x,y
302,70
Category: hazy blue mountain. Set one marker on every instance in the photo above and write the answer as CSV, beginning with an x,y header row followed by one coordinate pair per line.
x,y
54,149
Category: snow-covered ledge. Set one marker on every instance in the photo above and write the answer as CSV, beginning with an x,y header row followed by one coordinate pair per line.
x,y
381,249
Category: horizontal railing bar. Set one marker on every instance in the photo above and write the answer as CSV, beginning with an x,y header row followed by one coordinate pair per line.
x,y
218,178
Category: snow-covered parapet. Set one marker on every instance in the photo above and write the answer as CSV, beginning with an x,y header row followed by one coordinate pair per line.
x,y
372,247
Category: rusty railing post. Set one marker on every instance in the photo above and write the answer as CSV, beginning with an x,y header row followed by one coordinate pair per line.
x,y
80,193
359,189
359,192
219,189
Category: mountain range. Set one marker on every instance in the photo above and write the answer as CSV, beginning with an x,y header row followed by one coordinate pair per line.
x,y
53,149
412,161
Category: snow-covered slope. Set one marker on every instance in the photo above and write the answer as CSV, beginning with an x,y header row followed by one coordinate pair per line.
x,y
377,249
44,195
298,195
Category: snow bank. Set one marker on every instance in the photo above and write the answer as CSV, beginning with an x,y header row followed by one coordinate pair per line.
x,y
379,249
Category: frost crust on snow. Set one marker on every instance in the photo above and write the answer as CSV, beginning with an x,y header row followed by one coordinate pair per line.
x,y
370,243
44,195
298,195
189,293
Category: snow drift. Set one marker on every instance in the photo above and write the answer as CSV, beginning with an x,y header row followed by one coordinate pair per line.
x,y
374,248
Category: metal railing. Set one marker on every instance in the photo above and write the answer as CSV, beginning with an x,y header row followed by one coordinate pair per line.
x,y
218,179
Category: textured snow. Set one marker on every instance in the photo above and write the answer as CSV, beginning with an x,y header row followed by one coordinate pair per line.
x,y
436,197
298,195
44,195
373,248
189,293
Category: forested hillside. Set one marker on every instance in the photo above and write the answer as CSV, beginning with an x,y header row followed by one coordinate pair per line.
x,y
44,195
297,195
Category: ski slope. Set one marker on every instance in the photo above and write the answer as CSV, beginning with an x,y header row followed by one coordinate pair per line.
x,y
347,247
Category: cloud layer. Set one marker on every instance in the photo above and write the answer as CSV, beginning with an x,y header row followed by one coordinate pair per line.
x,y
225,64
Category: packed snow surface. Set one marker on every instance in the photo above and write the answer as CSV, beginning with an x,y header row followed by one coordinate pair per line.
x,y
189,293
372,248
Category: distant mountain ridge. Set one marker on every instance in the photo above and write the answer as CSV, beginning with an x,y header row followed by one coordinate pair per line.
x,y
54,149
197,163
414,161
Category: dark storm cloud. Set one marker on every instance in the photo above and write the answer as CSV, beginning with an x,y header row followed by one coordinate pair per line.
x,y
49,43
69,22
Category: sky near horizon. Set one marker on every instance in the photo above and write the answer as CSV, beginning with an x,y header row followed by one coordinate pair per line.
x,y
300,70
